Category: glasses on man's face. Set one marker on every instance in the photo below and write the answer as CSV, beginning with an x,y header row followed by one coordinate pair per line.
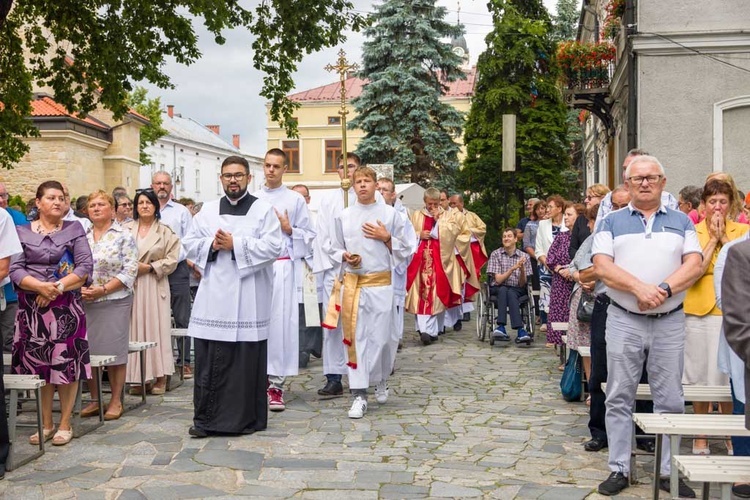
x,y
618,206
638,179
4,195
228,177
126,205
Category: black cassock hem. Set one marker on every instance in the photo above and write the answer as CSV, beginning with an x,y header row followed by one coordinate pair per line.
x,y
230,396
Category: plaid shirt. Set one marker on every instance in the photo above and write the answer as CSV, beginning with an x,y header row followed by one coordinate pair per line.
x,y
500,262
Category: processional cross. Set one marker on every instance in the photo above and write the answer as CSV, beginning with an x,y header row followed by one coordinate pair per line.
x,y
342,67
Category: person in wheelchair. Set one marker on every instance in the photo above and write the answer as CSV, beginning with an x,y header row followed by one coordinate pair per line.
x,y
508,268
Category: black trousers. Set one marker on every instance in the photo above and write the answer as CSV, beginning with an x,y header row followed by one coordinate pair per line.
x,y
597,410
179,288
310,337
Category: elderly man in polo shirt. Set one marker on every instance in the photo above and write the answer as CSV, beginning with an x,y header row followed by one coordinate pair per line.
x,y
647,255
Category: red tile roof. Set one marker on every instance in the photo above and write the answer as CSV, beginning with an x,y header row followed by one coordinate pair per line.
x,y
45,106
354,85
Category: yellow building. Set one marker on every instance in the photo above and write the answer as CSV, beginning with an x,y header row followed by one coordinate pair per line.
x,y
312,156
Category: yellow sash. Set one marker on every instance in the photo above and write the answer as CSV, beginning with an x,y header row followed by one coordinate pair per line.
x,y
348,306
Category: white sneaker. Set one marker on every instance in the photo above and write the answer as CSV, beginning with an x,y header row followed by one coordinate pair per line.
x,y
381,392
359,408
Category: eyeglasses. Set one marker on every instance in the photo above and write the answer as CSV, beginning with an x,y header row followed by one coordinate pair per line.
x,y
125,205
228,177
651,179
4,195
617,206
144,190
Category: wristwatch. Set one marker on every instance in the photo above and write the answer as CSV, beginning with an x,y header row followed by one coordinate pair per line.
x,y
665,286
60,286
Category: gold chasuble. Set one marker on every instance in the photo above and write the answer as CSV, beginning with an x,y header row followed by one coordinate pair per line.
x,y
464,256
434,278
478,230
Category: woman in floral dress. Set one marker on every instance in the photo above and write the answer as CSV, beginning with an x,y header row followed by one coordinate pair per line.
x,y
558,260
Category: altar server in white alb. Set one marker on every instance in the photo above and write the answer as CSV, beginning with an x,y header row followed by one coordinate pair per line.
x,y
326,263
371,240
387,188
298,234
233,242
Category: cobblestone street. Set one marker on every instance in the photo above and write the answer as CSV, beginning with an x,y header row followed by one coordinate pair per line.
x,y
463,420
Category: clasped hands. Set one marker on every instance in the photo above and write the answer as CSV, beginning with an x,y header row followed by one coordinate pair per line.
x,y
650,296
223,241
717,228
46,293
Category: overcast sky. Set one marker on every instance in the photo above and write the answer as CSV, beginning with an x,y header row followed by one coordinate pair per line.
x,y
222,88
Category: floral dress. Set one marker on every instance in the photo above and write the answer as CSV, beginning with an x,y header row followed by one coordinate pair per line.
x,y
559,299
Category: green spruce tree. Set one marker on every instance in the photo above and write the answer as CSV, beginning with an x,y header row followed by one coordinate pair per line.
x,y
408,65
516,75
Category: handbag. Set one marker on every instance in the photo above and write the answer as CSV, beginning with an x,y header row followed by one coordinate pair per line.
x,y
571,383
585,307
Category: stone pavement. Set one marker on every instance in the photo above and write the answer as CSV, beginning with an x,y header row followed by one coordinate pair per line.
x,y
463,420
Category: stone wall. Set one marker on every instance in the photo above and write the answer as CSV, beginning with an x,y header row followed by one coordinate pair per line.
x,y
65,156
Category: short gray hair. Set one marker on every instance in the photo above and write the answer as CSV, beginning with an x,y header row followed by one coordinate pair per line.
x,y
162,172
644,159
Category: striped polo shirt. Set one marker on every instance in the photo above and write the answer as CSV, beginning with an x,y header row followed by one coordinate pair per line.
x,y
649,249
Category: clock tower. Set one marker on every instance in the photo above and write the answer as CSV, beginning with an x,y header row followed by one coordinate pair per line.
x,y
459,47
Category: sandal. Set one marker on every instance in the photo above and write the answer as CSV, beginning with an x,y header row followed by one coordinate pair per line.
x,y
48,433
62,437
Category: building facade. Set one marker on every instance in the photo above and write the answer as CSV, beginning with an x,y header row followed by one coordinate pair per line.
x,y
679,88
313,155
84,153
192,154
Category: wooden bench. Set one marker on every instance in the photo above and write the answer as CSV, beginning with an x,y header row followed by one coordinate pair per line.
x,y
180,335
700,393
98,362
711,469
15,384
677,425
140,348
563,327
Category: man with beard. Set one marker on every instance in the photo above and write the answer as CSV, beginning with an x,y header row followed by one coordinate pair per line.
x,y
178,218
234,242
291,209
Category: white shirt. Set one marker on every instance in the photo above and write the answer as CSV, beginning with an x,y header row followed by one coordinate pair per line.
x,y
178,218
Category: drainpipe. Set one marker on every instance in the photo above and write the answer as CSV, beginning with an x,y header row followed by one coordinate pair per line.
x,y
631,29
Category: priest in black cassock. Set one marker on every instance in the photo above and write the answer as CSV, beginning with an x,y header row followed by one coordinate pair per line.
x,y
233,242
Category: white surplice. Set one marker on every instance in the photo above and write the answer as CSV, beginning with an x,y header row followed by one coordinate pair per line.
x,y
376,336
9,243
233,303
283,339
399,271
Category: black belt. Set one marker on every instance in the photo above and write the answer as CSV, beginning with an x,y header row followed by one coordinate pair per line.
x,y
654,315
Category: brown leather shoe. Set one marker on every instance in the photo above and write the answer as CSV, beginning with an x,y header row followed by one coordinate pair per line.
x,y
113,415
187,372
90,411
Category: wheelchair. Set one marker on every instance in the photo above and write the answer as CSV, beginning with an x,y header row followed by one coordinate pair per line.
x,y
487,313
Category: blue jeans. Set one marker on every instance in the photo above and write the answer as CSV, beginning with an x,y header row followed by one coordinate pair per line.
x,y
741,445
333,378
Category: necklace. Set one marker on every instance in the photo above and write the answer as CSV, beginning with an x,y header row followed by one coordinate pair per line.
x,y
41,230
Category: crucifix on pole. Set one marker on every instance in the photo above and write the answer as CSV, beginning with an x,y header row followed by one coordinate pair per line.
x,y
342,67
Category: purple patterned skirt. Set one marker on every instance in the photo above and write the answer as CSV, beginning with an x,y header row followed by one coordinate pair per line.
x,y
51,341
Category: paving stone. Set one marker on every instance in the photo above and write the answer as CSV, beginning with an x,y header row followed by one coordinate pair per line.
x,y
439,489
233,459
131,495
51,477
179,491
305,464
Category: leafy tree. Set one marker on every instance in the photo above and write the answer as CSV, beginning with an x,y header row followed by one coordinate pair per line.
x,y
516,75
566,20
89,51
151,109
409,67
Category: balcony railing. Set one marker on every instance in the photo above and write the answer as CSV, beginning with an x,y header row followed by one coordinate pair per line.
x,y
594,76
